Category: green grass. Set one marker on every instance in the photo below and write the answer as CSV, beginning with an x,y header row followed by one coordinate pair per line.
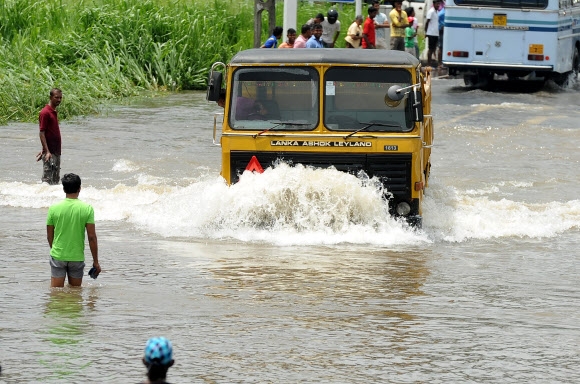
x,y
102,50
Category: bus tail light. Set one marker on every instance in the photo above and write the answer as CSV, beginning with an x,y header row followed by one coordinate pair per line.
x,y
536,57
458,53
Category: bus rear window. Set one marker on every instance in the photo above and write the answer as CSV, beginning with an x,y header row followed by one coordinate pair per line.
x,y
516,4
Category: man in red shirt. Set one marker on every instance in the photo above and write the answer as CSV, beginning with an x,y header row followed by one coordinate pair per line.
x,y
50,139
368,37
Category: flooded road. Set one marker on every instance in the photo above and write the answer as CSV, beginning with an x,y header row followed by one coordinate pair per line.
x,y
252,287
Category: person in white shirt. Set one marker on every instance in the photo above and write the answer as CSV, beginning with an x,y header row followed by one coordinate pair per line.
x,y
432,31
330,29
381,22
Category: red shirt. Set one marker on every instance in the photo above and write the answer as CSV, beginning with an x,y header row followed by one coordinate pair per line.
x,y
49,125
369,30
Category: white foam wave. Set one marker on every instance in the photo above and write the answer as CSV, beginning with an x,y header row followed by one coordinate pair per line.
x,y
124,166
285,205
456,216
511,105
302,206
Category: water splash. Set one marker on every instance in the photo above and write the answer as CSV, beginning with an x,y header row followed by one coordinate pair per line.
x,y
303,206
456,215
124,166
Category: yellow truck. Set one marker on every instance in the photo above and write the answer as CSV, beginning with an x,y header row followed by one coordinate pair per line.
x,y
355,110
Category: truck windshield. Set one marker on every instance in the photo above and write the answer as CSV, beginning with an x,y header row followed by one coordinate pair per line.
x,y
264,97
355,97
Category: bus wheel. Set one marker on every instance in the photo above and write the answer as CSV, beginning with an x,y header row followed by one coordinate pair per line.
x,y
478,81
470,80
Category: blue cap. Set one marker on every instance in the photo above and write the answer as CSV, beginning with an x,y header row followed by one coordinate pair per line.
x,y
158,350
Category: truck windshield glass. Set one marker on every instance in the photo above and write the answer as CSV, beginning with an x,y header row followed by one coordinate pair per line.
x,y
354,97
265,97
517,4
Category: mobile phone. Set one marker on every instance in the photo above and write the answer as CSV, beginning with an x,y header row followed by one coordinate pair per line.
x,y
93,273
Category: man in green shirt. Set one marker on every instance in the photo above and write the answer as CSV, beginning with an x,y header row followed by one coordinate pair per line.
x,y
410,34
65,231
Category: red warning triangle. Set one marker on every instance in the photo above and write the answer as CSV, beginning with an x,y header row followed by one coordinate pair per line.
x,y
254,165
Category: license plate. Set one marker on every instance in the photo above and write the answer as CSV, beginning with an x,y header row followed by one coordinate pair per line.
x,y
499,20
536,49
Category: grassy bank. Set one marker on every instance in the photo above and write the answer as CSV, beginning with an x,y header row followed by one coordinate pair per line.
x,y
100,50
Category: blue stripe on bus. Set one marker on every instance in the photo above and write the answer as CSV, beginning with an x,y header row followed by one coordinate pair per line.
x,y
533,29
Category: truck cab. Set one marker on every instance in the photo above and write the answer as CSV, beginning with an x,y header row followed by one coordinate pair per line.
x,y
363,111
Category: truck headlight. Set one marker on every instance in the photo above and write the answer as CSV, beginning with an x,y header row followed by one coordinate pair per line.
x,y
403,209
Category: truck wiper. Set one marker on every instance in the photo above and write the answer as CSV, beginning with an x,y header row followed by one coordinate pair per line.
x,y
278,124
368,125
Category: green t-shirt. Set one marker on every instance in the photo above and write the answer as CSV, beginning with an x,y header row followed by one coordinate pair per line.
x,y
409,37
69,218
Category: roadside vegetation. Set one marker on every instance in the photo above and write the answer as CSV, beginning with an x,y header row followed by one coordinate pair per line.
x,y
102,50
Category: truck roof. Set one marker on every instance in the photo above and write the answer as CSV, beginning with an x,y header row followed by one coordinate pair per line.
x,y
324,55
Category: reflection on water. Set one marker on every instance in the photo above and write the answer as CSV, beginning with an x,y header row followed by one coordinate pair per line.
x,y
66,324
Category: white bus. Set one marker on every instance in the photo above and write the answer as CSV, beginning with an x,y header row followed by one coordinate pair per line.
x,y
517,38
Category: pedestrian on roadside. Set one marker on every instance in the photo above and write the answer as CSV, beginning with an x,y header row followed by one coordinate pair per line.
x,y
354,33
368,36
66,224
410,11
330,29
315,41
158,358
432,32
305,33
272,41
291,35
441,20
410,34
315,20
398,21
50,139
381,23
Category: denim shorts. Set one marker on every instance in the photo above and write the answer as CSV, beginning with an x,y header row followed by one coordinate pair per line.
x,y
74,269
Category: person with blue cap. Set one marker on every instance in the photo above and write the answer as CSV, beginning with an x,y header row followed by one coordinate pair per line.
x,y
158,358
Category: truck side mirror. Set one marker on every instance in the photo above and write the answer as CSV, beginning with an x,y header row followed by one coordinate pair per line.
x,y
416,100
214,86
396,93
394,96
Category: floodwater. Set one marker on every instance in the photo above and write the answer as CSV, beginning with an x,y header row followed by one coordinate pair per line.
x,y
298,275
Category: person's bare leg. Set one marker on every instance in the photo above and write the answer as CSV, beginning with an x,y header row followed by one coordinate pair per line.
x,y
75,282
57,281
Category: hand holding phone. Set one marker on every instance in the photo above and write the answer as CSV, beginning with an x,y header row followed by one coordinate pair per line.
x,y
94,272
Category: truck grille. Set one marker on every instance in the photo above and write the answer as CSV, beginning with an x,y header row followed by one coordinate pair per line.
x,y
394,170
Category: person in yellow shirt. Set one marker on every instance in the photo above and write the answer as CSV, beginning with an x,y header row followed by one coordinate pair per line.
x,y
398,21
